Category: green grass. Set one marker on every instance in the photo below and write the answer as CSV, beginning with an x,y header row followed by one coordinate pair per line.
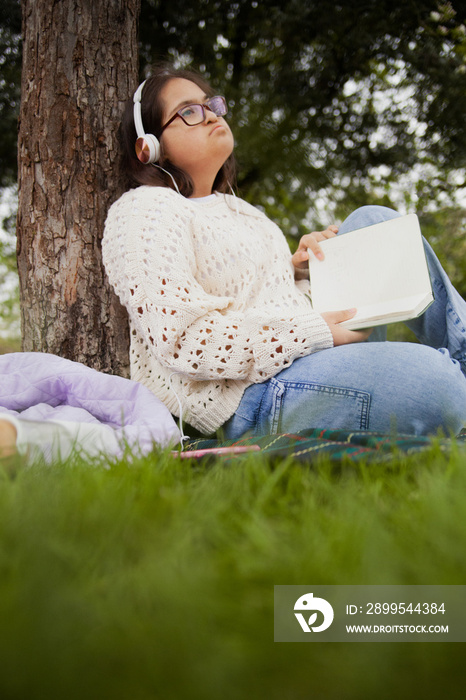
x,y
9,345
155,580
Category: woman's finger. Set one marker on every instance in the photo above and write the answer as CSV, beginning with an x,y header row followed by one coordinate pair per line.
x,y
310,241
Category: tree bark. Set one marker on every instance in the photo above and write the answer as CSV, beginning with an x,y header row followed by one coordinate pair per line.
x,y
80,65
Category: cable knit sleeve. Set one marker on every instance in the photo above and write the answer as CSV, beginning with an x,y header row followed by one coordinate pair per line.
x,y
174,297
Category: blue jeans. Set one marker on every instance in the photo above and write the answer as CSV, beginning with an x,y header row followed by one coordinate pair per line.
x,y
375,385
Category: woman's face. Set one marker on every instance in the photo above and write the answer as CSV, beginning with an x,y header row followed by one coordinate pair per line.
x,y
199,150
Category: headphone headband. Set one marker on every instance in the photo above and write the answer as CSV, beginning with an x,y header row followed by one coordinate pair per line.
x,y
137,110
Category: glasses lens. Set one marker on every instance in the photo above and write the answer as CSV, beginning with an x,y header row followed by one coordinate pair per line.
x,y
192,114
218,105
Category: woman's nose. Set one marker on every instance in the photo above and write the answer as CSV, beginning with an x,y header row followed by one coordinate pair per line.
x,y
209,115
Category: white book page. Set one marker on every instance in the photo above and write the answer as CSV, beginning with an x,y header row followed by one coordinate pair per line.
x,y
370,267
389,312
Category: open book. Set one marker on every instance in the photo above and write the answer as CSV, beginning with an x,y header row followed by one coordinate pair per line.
x,y
380,270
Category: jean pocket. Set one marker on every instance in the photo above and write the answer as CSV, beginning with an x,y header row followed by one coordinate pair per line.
x,y
292,406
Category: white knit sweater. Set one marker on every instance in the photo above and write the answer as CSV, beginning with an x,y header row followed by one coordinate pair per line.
x,y
210,291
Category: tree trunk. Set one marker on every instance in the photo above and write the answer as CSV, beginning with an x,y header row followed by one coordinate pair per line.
x,y
80,63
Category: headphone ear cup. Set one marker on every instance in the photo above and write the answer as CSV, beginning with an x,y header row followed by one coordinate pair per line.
x,y
148,149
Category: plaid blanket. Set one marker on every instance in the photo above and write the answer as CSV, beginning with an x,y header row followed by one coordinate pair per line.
x,y
336,445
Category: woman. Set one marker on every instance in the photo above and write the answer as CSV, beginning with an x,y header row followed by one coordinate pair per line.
x,y
221,328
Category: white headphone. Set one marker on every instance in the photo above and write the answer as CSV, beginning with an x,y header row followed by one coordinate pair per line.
x,y
147,145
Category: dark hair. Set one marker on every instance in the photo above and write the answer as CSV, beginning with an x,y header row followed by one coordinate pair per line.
x,y
152,114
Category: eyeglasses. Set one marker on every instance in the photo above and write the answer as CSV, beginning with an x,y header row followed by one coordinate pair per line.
x,y
195,113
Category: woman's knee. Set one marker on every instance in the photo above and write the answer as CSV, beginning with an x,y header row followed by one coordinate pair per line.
x,y
447,386
367,216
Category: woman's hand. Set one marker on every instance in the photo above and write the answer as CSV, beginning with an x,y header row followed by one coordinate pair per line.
x,y
311,240
342,336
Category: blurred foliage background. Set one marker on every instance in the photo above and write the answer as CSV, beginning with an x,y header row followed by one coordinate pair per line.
x,y
332,105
